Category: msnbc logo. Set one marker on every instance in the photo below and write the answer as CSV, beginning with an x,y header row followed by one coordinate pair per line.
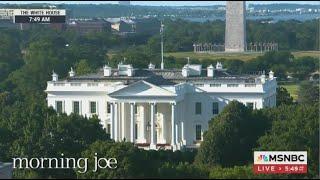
x,y
280,162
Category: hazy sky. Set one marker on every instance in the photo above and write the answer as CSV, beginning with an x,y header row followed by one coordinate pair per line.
x,y
161,3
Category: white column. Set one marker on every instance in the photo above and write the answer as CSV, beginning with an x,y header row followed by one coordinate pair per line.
x,y
112,120
153,141
132,123
116,126
177,135
142,134
182,133
173,133
123,127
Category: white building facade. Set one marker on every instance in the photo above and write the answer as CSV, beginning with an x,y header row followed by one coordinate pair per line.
x,y
154,108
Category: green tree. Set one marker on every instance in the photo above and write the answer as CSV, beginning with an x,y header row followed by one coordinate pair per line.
x,y
33,130
127,160
83,67
283,96
236,127
308,93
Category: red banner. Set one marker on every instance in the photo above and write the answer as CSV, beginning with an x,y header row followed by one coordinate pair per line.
x,y
280,168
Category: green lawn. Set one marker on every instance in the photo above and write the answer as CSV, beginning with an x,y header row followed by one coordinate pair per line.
x,y
292,89
241,56
315,54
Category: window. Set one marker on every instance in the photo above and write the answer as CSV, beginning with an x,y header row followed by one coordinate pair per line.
x,y
215,85
198,107
108,108
249,105
155,108
232,85
93,107
198,132
58,84
215,108
250,81
108,128
135,109
136,131
59,106
76,107
199,85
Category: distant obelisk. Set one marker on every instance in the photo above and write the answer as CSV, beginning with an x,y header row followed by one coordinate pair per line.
x,y
235,35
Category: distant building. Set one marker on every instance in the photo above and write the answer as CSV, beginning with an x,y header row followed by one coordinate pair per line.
x,y
147,26
87,26
122,25
159,108
140,26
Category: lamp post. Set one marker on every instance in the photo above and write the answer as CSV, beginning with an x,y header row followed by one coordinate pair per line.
x,y
161,34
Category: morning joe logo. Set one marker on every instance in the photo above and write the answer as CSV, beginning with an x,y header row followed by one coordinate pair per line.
x,y
288,162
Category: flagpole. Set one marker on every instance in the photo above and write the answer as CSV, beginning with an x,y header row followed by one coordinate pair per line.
x,y
161,33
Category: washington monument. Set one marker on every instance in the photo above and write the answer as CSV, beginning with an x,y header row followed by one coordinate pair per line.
x,y
235,35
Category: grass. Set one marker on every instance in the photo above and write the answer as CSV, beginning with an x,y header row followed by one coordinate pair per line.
x,y
292,89
315,54
241,56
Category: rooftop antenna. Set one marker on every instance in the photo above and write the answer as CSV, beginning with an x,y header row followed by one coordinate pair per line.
x,y
161,34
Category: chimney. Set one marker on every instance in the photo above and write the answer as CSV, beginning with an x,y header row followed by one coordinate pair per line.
x,y
106,71
219,65
54,76
271,75
151,66
71,72
210,71
130,70
185,71
263,77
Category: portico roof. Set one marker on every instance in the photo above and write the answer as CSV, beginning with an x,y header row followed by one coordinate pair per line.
x,y
142,89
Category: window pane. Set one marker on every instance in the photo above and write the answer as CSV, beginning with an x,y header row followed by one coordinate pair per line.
x,y
108,108
135,109
215,108
198,107
59,106
93,107
198,132
136,131
76,107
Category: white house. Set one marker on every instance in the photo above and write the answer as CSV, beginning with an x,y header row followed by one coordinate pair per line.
x,y
156,108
